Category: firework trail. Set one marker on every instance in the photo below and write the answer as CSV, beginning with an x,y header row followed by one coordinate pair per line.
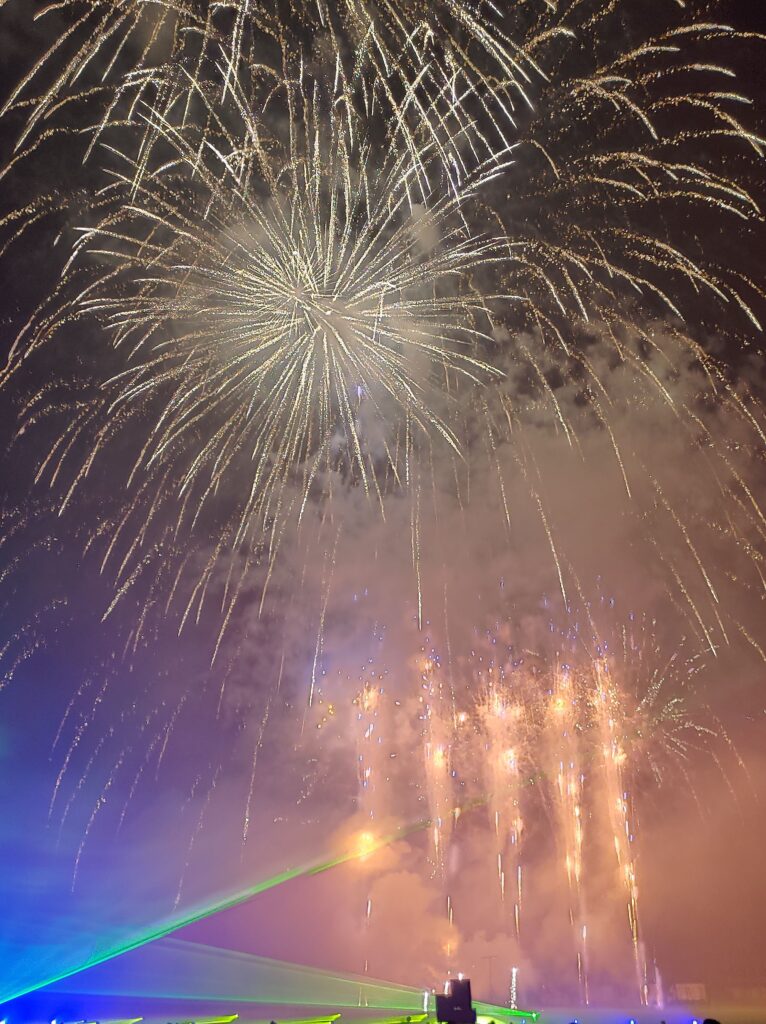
x,y
369,738
504,726
646,723
446,69
437,730
568,772
618,801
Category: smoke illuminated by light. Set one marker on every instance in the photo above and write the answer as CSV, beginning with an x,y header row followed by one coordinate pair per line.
x,y
386,443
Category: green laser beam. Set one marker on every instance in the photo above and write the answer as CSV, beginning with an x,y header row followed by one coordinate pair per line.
x,y
213,974
488,1012
228,902
173,968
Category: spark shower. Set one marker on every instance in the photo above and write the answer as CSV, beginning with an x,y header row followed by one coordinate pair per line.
x,y
389,409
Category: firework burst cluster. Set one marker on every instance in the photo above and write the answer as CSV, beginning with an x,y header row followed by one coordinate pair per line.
x,y
316,238
314,257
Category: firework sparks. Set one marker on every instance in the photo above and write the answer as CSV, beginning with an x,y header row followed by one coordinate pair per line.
x,y
312,336
504,723
326,259
564,728
437,750
330,312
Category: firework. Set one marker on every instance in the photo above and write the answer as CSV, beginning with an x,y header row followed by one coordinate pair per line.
x,y
565,744
437,748
444,68
325,315
596,727
309,335
322,261
504,725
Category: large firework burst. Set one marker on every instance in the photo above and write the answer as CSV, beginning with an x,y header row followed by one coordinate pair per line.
x,y
317,247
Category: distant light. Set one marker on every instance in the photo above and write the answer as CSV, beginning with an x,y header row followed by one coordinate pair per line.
x,y
366,844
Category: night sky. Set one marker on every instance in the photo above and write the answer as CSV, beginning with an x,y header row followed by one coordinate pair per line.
x,y
590,495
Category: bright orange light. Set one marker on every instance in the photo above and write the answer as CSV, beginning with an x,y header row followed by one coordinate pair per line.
x,y
509,759
369,698
365,845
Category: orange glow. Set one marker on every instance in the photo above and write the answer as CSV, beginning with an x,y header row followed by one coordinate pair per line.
x,y
365,845
509,759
